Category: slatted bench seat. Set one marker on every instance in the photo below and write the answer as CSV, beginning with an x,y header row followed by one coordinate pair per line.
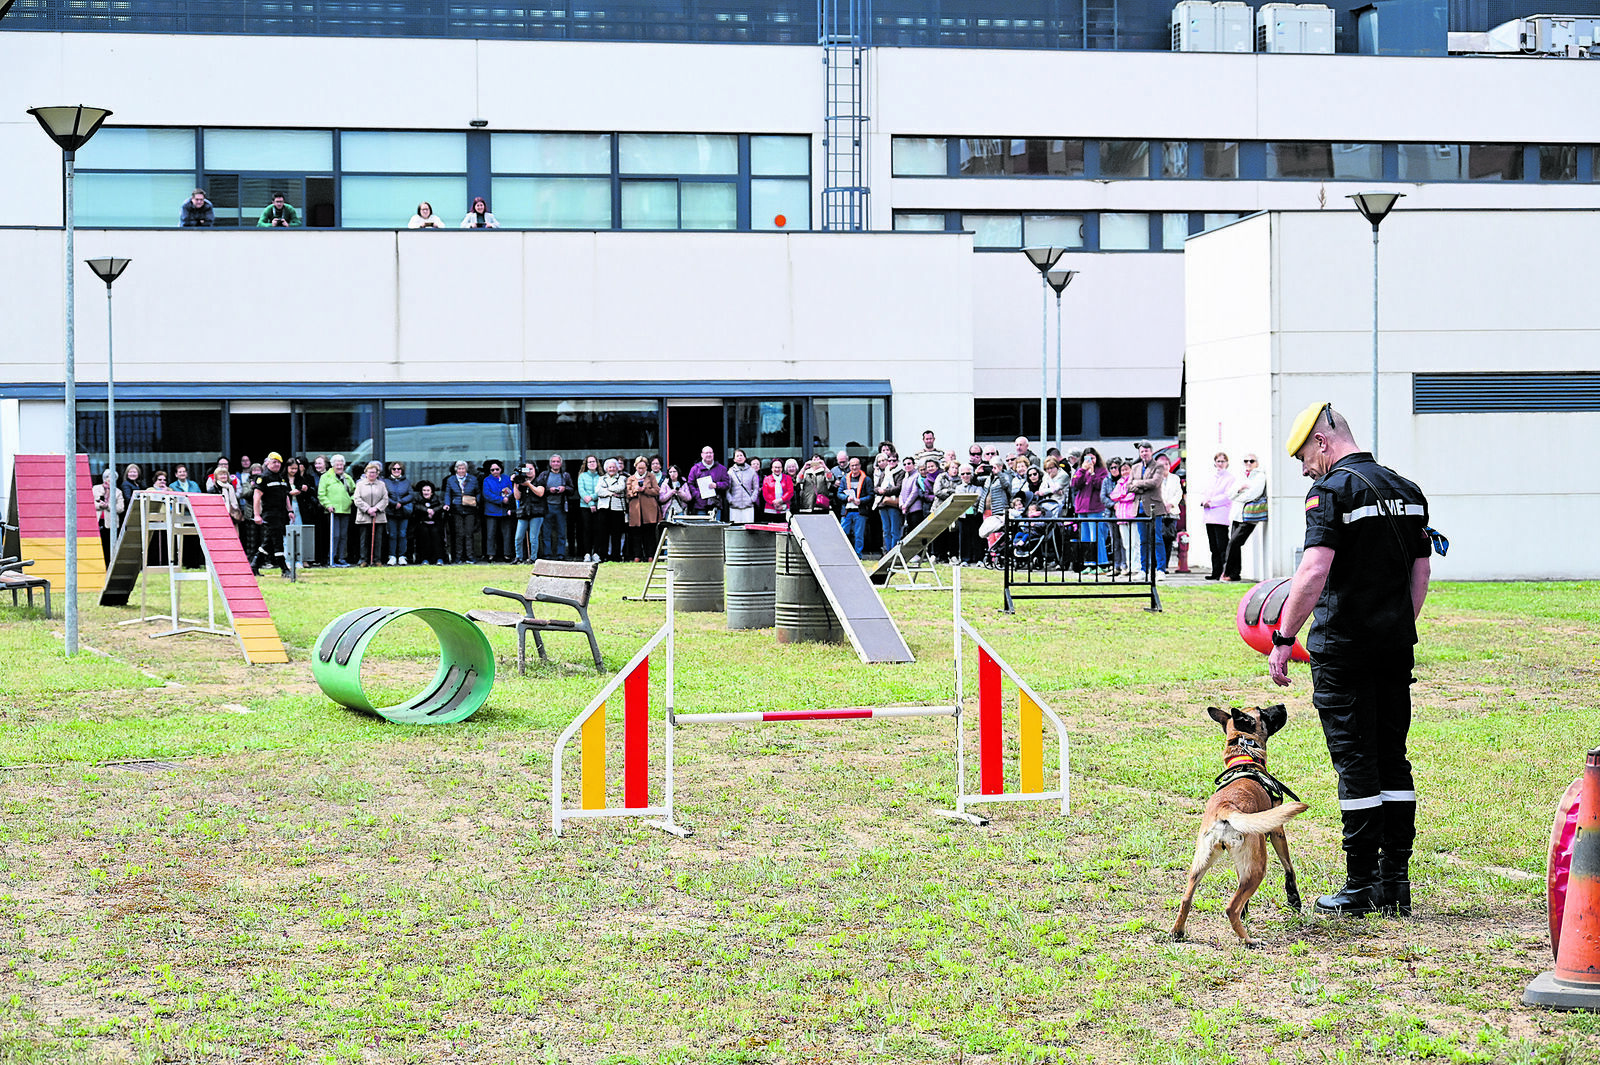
x,y
12,579
566,584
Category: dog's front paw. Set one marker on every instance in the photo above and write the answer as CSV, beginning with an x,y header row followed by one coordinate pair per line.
x,y
1294,901
1250,944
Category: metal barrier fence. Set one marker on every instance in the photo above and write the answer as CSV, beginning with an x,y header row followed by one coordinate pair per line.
x,y
1050,558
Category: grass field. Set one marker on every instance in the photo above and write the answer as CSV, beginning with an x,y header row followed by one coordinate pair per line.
x,y
297,882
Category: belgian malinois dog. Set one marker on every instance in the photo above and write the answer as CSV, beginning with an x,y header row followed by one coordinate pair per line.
x,y
1243,814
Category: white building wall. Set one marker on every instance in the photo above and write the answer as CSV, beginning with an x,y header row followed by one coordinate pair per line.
x,y
1460,292
387,307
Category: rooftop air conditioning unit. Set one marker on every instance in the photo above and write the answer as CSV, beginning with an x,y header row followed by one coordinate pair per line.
x,y
1200,26
1305,29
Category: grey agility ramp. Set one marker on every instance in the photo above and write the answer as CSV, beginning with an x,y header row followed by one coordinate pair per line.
x,y
866,621
915,543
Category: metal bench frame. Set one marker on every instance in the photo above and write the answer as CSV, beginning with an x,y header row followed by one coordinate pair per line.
x,y
567,584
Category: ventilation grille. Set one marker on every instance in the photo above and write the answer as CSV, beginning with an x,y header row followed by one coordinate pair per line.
x,y
1474,393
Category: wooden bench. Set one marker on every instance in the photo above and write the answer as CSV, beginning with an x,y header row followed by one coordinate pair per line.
x,y
12,579
564,583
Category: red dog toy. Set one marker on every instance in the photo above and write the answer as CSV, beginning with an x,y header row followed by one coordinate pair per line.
x,y
1258,616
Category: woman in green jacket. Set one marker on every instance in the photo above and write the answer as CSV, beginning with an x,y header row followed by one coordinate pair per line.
x,y
334,490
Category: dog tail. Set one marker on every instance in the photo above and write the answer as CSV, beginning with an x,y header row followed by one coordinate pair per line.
x,y
1259,824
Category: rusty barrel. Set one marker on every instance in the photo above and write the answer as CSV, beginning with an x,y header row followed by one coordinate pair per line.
x,y
694,551
803,614
750,557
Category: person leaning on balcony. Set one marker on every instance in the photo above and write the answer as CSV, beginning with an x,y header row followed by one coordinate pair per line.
x,y
479,217
197,211
278,215
425,218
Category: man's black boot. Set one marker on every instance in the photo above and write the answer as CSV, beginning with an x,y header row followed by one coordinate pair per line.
x,y
1361,894
1394,863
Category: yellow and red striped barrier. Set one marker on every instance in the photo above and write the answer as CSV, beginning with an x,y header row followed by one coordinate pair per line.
x,y
994,767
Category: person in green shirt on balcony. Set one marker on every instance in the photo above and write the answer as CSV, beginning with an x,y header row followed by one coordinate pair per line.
x,y
278,215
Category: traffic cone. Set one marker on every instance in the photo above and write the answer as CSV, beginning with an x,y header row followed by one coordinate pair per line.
x,y
1574,984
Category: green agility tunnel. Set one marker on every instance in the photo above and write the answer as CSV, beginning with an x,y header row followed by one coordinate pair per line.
x,y
466,665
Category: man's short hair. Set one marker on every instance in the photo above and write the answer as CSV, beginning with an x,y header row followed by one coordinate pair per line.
x,y
277,195
200,191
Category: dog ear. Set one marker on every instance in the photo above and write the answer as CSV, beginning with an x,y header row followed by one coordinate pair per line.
x,y
1219,715
1274,717
1243,721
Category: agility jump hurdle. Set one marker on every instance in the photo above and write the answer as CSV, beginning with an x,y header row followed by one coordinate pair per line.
x,y
590,728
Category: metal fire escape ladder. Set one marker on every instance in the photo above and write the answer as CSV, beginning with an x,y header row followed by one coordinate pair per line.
x,y
844,30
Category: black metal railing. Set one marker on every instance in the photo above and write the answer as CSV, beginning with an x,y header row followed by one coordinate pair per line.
x,y
1076,558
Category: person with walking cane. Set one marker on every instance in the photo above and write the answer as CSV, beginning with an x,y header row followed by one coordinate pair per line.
x,y
371,499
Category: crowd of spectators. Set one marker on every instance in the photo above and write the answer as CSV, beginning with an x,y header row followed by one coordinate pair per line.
x,y
608,509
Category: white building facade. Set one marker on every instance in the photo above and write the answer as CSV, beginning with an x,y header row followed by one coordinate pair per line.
x,y
659,281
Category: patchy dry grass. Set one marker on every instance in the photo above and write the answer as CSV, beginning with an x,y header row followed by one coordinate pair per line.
x,y
313,884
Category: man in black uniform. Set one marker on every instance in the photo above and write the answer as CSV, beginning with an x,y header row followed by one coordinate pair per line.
x,y
270,498
1365,570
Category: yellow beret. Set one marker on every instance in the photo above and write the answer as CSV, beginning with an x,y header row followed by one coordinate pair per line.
x,y
1300,431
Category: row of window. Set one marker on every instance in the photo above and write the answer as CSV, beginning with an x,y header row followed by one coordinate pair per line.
x,y
1081,419
1091,231
1240,160
367,179
430,435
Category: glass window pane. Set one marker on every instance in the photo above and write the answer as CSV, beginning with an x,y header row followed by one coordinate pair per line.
x,y
1493,162
130,199
920,157
994,230
1175,159
772,198
550,153
405,153
429,436
1124,231
138,149
649,205
1557,162
1124,418
763,427
1005,419
578,427
269,149
854,425
1174,230
709,204
1213,219
678,153
389,202
1358,162
552,203
780,155
1124,159
1052,230
1299,159
1430,162
156,435
335,428
909,221
987,157
1221,159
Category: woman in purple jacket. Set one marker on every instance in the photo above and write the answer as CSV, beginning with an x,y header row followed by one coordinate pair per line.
x,y
1087,502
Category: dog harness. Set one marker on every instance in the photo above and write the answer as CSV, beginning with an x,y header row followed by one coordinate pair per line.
x,y
1249,766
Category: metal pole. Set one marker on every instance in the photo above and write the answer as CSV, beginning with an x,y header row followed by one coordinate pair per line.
x,y
70,434
111,410
1044,355
1374,339
1058,372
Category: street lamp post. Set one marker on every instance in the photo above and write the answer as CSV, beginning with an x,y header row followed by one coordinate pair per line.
x,y
1043,258
108,270
1059,277
70,128
1375,207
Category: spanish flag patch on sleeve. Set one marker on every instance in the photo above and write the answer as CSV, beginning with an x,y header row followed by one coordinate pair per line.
x,y
1313,502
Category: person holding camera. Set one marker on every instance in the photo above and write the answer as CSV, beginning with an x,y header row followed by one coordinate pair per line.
x,y
531,508
278,215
